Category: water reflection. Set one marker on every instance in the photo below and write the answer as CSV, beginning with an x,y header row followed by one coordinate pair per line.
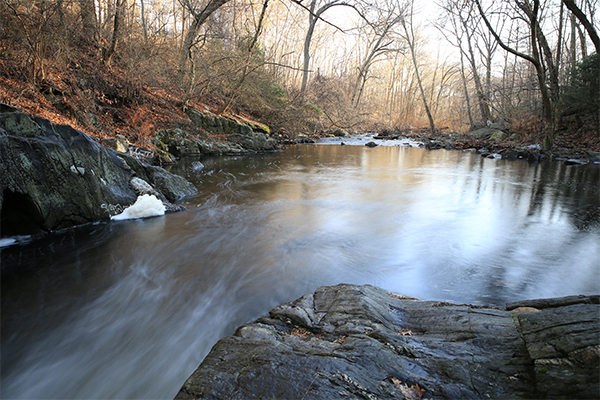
x,y
128,309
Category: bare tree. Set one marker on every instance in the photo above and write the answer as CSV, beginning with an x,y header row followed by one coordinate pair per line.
x,y
87,11
247,68
199,15
410,39
585,22
313,17
531,12
118,20
381,44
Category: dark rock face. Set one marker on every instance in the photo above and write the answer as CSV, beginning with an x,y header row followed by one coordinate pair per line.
x,y
348,341
54,177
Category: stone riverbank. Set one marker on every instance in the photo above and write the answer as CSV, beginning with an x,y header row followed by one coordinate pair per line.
x,y
348,341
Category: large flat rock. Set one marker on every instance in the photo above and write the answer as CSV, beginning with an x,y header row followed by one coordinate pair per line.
x,y
347,342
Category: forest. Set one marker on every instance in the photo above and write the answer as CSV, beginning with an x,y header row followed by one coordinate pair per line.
x,y
130,67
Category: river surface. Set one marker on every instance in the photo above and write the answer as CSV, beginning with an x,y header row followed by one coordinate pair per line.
x,y
128,309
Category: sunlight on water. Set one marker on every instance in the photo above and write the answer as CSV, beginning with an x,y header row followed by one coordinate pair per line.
x,y
128,309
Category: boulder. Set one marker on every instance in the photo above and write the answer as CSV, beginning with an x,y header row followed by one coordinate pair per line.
x,y
250,136
339,132
119,145
350,341
55,177
254,141
499,136
239,138
304,139
486,133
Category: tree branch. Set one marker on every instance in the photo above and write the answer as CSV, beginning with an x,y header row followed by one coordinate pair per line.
x,y
584,21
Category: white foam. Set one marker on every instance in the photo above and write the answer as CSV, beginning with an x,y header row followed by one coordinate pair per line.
x,y
145,206
7,242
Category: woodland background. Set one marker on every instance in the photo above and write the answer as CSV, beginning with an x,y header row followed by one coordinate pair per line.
x,y
130,67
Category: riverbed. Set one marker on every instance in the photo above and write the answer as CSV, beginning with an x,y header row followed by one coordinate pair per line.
x,y
128,309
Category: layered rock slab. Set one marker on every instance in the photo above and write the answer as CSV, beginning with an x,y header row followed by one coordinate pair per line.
x,y
350,341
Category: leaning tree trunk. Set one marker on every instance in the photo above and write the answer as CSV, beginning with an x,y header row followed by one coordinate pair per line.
x,y
585,22
194,29
411,44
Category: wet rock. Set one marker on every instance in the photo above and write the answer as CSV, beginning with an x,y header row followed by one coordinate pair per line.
x,y
304,139
575,161
593,156
240,137
349,341
486,132
197,166
499,136
339,132
371,144
55,177
254,141
116,144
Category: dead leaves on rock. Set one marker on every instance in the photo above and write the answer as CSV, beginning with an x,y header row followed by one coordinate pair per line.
x,y
401,296
414,392
340,340
405,332
303,333
526,309
298,332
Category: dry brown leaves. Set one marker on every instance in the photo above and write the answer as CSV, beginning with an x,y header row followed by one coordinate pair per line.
x,y
401,296
413,392
340,340
298,332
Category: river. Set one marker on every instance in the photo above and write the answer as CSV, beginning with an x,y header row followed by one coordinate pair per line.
x,y
128,309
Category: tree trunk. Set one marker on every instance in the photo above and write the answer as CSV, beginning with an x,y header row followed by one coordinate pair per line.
x,y
198,19
119,6
144,23
486,113
363,70
246,71
534,59
312,21
411,44
584,21
87,11
464,81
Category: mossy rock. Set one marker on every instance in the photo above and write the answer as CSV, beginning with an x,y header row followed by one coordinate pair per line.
x,y
21,124
499,136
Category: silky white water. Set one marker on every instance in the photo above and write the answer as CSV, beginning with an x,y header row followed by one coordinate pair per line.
x,y
128,309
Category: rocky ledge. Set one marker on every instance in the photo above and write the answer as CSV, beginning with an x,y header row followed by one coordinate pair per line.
x,y
349,342
54,177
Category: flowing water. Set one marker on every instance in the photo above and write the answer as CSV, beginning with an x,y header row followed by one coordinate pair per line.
x,y
128,309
